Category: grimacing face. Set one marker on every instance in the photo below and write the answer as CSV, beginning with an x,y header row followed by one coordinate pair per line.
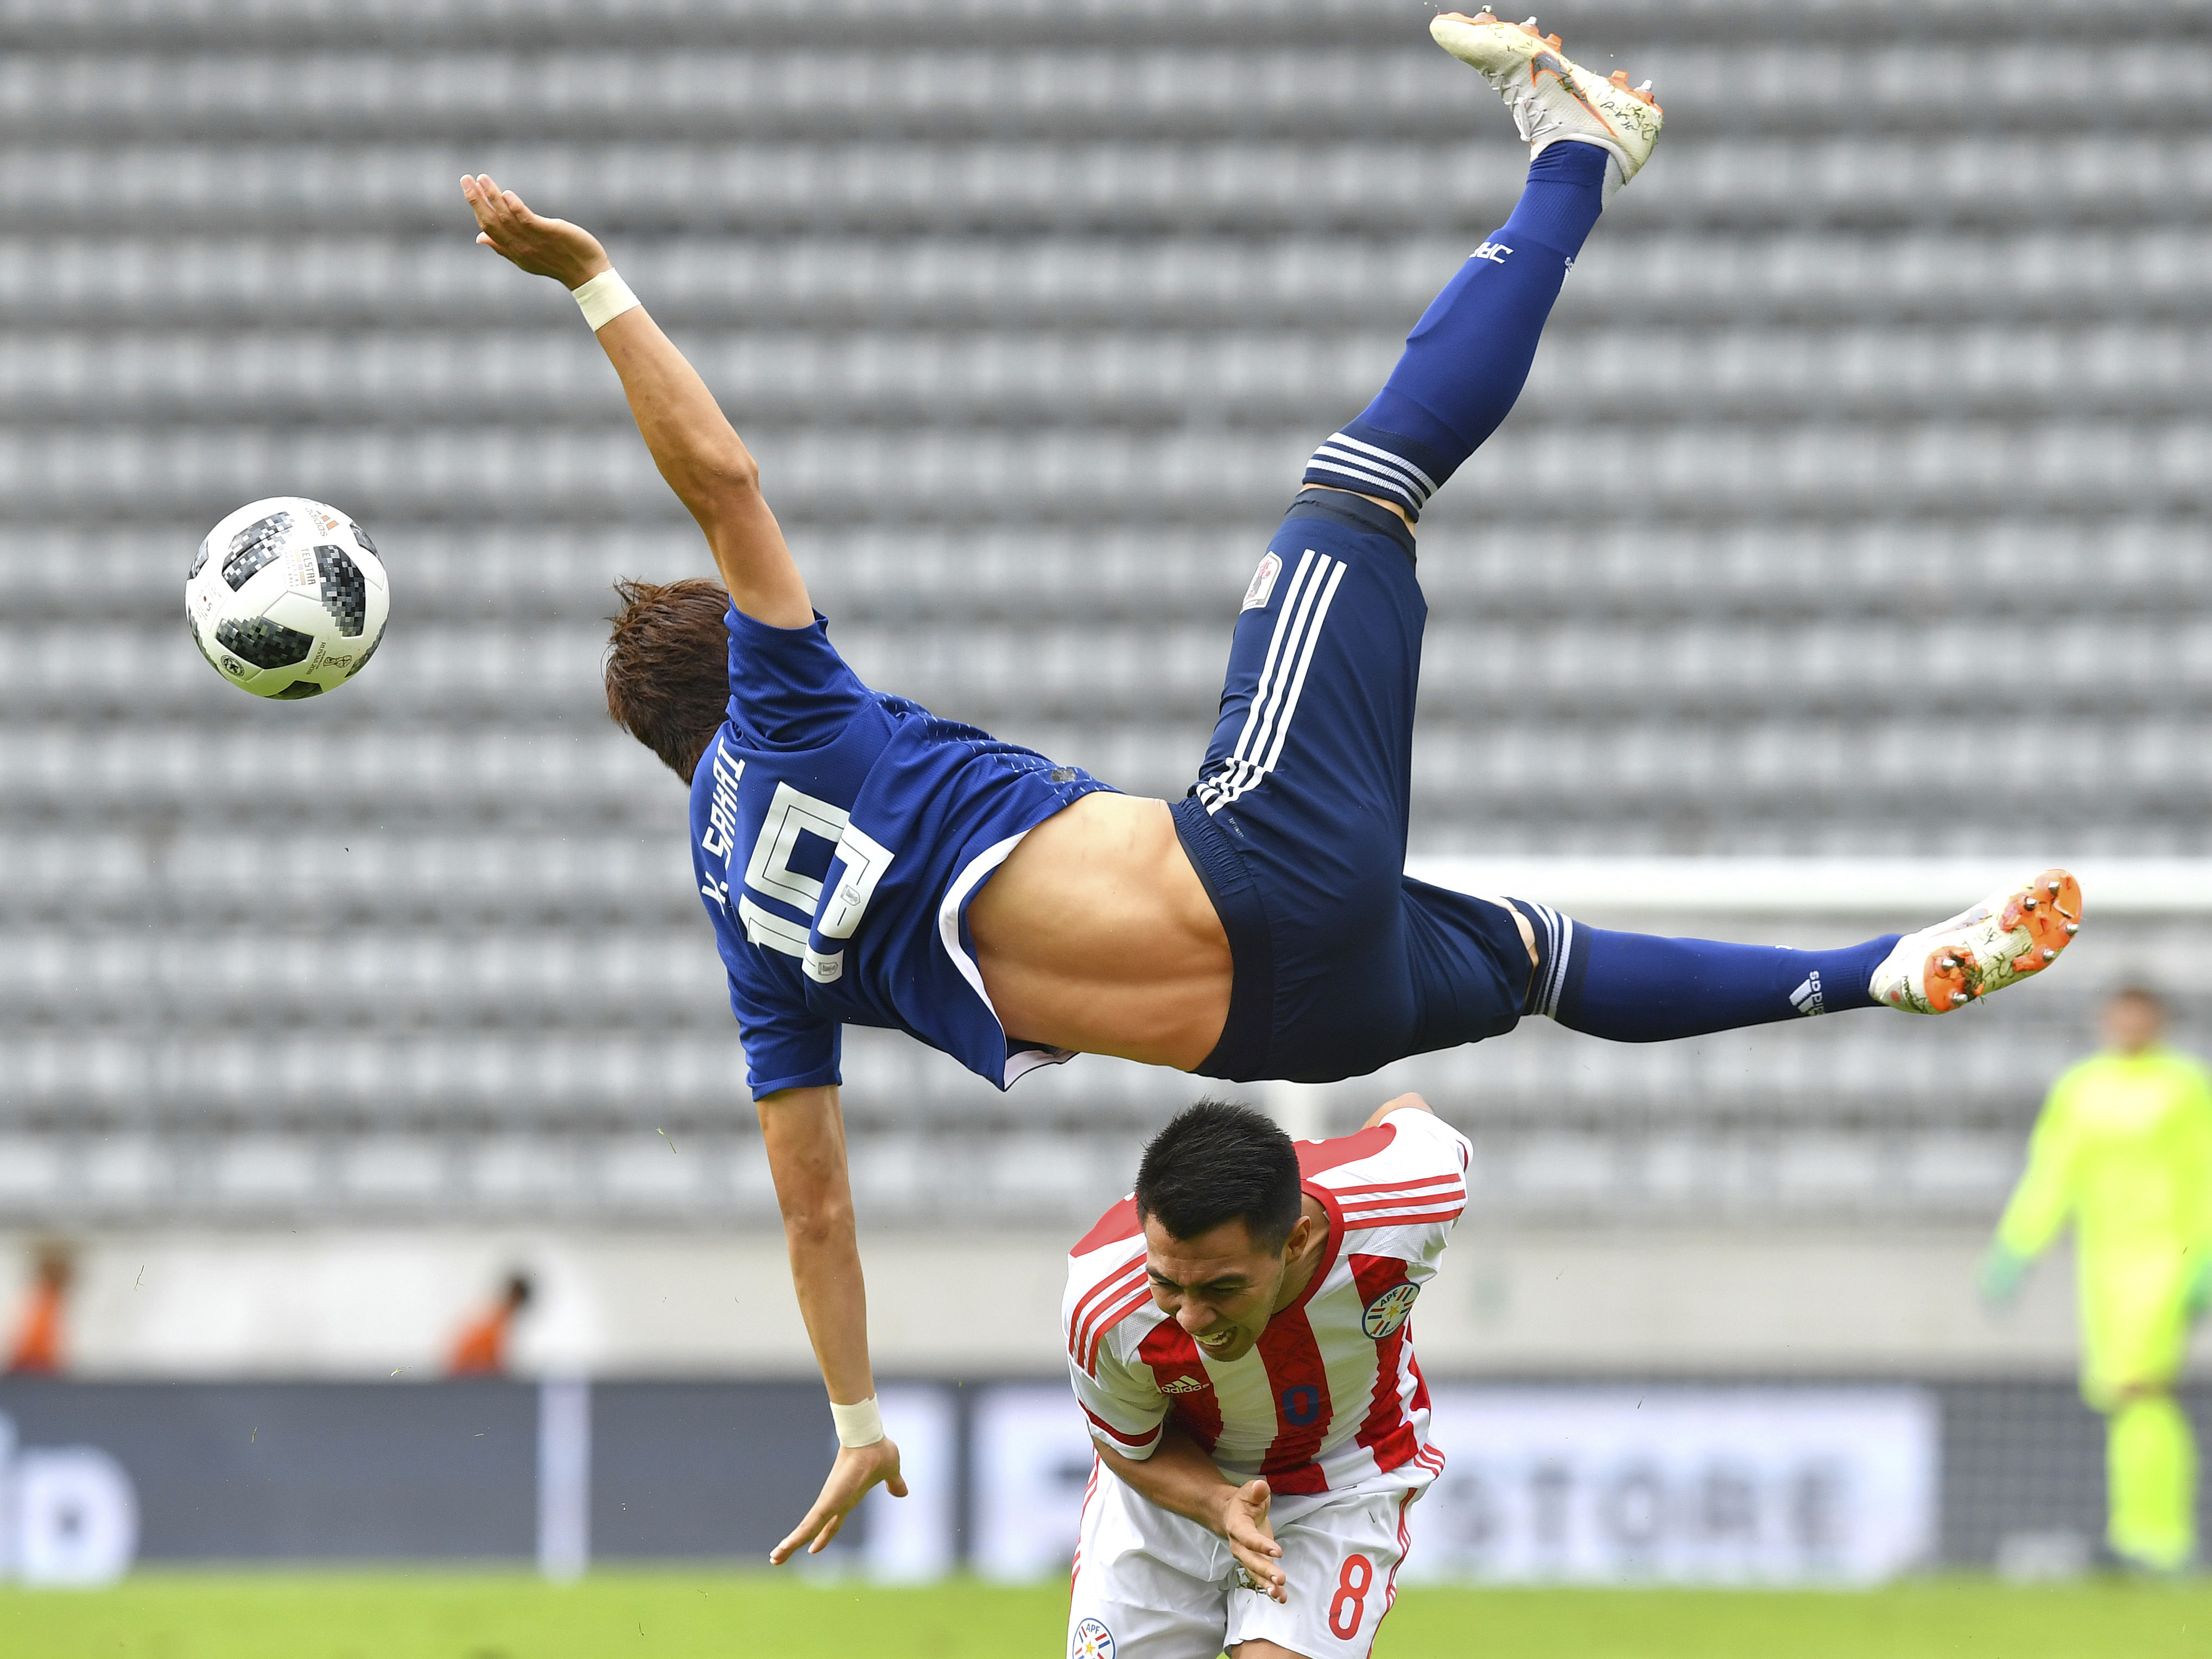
x,y
1222,1287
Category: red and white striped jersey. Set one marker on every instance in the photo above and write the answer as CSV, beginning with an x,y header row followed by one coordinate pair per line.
x,y
1330,1398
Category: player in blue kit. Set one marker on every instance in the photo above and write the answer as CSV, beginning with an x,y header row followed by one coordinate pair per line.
x,y
863,861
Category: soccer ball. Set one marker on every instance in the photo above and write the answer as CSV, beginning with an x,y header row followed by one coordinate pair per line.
x,y
287,598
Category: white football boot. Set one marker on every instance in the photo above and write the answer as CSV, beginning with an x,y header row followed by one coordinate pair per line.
x,y
2013,933
1552,96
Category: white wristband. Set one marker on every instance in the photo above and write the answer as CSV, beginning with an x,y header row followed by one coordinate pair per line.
x,y
858,1425
604,298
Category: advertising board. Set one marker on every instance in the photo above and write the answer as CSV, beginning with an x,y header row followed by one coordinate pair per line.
x,y
1570,1483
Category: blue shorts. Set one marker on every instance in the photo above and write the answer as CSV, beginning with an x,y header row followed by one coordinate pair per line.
x,y
1297,822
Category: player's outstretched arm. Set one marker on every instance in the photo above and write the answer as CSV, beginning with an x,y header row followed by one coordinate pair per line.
x,y
693,444
805,1132
1181,1478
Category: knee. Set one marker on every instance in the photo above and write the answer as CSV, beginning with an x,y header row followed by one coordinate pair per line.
x,y
1528,934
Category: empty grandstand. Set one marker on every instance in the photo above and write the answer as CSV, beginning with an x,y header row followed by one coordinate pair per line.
x,y
1032,314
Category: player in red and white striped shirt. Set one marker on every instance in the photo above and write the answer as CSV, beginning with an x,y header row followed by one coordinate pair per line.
x,y
1236,1333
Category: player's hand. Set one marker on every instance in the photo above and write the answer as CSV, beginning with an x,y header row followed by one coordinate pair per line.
x,y
857,1468
1243,1522
568,253
2001,1271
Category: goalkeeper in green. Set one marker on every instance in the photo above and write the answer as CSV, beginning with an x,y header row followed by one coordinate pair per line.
x,y
2124,1150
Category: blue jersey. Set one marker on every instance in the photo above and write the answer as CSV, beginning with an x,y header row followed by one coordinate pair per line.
x,y
838,835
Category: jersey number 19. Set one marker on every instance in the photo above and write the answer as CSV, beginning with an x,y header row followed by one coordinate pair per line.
x,y
855,868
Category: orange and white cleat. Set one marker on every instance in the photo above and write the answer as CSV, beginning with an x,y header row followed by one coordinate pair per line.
x,y
2013,933
1552,96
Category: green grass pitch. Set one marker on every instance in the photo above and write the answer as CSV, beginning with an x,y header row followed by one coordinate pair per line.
x,y
681,1616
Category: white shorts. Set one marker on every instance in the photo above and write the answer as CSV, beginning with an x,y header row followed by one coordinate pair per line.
x,y
1150,1584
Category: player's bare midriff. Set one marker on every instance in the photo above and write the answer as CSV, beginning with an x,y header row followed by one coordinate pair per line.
x,y
1095,934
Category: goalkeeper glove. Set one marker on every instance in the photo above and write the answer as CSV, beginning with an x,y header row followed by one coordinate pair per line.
x,y
2001,1271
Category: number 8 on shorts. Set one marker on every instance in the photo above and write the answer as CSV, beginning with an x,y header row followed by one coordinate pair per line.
x,y
1350,1605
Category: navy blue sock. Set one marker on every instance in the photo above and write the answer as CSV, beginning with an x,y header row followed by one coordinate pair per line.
x,y
1467,359
1636,987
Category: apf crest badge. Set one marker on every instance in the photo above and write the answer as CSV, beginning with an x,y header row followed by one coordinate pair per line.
x,y
1263,582
1388,1312
1093,1641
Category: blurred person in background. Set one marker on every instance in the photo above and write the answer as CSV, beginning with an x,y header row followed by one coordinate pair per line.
x,y
35,1349
481,1348
2124,1150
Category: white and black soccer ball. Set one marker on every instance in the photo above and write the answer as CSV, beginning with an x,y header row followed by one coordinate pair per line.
x,y
287,598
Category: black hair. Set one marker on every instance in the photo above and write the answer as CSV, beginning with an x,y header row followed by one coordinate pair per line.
x,y
1219,1162
519,1290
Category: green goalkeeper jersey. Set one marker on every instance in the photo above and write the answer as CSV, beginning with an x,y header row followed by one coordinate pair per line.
x,y
2124,1150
